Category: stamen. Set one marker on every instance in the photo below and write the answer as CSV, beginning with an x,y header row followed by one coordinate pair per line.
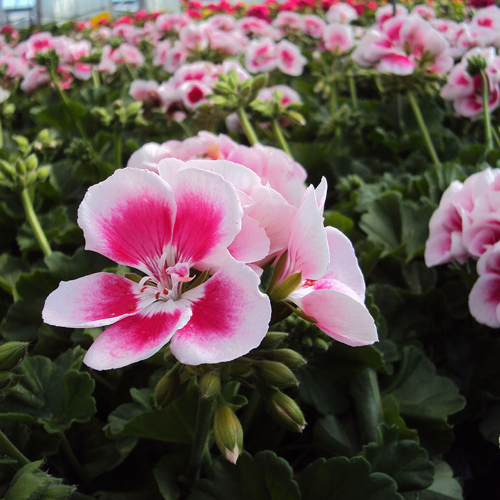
x,y
157,295
165,291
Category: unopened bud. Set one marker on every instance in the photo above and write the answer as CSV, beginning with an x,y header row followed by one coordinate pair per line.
x,y
218,100
289,357
476,64
166,388
20,167
320,344
222,88
30,178
307,341
42,173
272,339
228,433
286,287
7,169
31,162
286,411
276,374
209,385
11,354
259,82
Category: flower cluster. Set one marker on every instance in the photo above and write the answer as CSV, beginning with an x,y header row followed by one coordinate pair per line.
x,y
201,232
467,225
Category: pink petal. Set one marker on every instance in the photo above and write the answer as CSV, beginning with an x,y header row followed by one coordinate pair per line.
x,y
230,317
251,244
129,218
484,300
340,316
208,214
344,265
137,337
397,64
96,300
307,246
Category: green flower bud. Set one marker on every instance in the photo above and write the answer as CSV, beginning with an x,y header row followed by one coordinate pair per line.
x,y
276,373
209,385
321,344
476,64
286,287
11,354
30,178
228,433
7,169
20,167
289,357
307,341
31,162
166,388
259,82
42,173
286,411
295,117
272,339
9,109
218,100
222,88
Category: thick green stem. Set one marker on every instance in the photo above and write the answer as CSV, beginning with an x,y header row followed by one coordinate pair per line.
x,y
35,223
65,100
247,127
487,118
95,78
353,92
201,433
7,448
281,138
423,128
368,404
72,459
496,136
118,149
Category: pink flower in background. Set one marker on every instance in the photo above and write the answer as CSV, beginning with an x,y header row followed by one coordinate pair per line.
x,y
288,95
313,25
107,65
146,91
338,38
288,21
222,22
35,78
164,228
193,93
341,13
172,22
160,52
194,36
424,11
127,54
289,58
38,44
387,12
261,56
175,57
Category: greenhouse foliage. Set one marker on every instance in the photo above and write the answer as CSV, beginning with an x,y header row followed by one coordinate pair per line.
x,y
252,252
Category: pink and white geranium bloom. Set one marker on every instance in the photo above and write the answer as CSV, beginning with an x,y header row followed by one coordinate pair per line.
x,y
286,93
338,38
314,25
332,290
341,13
261,56
146,91
289,58
164,229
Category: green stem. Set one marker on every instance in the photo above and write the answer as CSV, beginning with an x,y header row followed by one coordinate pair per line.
x,y
423,128
247,127
201,434
333,98
65,100
496,136
118,149
72,459
368,404
130,71
95,78
9,449
249,411
1,134
35,223
487,118
278,133
353,92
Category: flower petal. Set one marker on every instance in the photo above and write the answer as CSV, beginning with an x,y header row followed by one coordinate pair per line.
x,y
137,337
251,243
208,214
129,218
484,300
340,316
230,317
96,300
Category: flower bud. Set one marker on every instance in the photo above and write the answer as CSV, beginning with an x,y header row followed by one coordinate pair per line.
x,y
289,357
222,88
259,82
20,167
272,339
218,100
42,173
476,64
286,411
166,388
11,354
7,169
321,344
31,178
209,385
31,162
228,433
276,374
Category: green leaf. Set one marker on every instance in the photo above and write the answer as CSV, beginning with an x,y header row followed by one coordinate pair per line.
x,y
336,435
174,424
30,483
444,486
53,393
399,226
58,116
405,461
425,399
344,479
166,472
263,477
11,269
392,416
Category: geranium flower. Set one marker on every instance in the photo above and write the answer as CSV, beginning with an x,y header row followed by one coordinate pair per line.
x,y
164,229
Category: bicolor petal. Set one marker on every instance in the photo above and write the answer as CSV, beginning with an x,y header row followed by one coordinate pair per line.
x,y
230,317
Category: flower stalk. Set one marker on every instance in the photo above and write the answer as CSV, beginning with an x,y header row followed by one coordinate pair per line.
x,y
11,450
353,92
34,223
278,133
423,128
488,132
118,148
247,126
